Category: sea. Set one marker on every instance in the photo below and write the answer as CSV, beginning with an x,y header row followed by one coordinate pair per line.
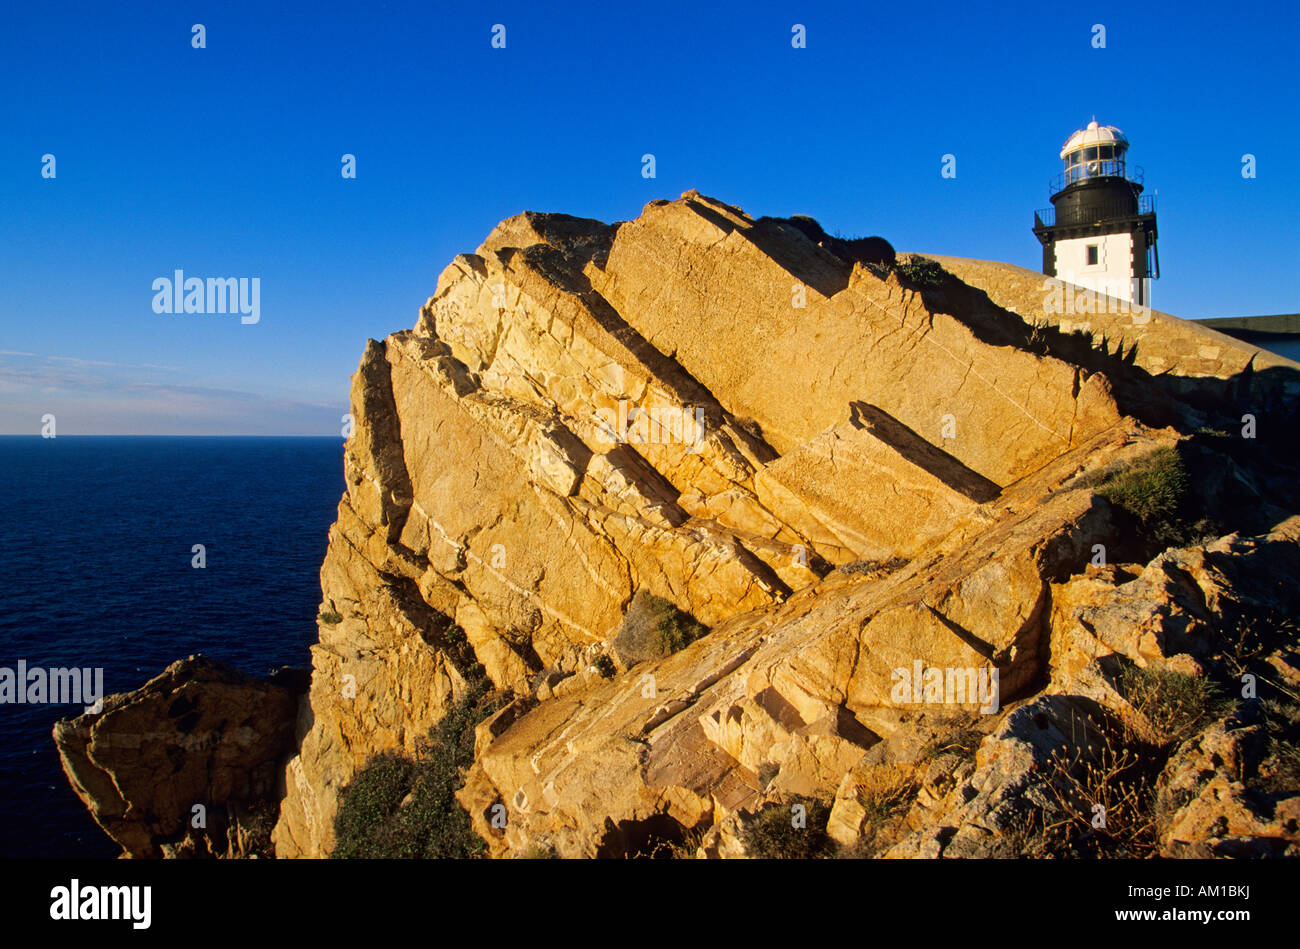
x,y
97,553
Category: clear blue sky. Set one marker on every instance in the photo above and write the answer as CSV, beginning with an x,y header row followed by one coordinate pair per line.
x,y
225,161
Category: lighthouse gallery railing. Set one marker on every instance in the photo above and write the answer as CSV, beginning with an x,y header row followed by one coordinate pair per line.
x,y
1046,217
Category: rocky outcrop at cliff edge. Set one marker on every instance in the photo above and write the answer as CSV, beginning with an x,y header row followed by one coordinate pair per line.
x,y
841,468
187,765
924,559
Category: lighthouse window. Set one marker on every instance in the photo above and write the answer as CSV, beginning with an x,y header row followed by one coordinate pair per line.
x,y
1092,255
1091,154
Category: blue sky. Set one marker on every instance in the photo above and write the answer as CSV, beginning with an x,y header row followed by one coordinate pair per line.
x,y
225,161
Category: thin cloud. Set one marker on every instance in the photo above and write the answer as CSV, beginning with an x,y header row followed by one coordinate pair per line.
x,y
98,397
73,361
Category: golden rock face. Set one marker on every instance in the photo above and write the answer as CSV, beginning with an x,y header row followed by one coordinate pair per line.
x,y
720,412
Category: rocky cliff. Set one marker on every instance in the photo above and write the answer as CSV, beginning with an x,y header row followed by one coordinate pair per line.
x,y
847,473
189,764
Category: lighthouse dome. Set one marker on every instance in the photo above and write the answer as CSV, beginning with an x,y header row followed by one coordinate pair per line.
x,y
1095,135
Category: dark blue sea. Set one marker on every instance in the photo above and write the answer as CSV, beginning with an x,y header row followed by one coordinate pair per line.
x,y
95,570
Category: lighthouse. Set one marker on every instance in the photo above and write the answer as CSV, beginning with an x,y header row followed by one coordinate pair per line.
x,y
1100,232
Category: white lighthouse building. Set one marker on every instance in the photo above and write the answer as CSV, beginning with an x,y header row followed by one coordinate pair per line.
x,y
1100,232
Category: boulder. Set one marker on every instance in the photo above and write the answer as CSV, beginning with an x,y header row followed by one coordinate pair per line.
x,y
188,764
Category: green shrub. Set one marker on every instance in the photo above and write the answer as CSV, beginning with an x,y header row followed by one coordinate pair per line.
x,y
653,628
1151,489
605,666
396,807
919,271
1279,773
771,834
330,618
368,801
1177,705
674,629
886,794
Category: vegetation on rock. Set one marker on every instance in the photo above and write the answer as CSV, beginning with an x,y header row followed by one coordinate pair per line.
x,y
776,833
917,271
398,807
675,629
1175,704
882,567
654,627
1151,489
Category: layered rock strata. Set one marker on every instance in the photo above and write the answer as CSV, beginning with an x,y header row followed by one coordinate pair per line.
x,y
851,472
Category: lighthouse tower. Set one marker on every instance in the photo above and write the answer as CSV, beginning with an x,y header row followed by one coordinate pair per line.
x,y
1100,232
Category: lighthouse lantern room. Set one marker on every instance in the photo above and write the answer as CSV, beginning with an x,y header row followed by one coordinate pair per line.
x,y
1100,232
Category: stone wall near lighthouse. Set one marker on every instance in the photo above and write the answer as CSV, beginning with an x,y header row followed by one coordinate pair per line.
x,y
1165,344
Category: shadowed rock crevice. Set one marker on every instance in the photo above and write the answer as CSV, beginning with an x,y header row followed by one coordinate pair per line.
x,y
380,461
921,453
652,838
562,271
